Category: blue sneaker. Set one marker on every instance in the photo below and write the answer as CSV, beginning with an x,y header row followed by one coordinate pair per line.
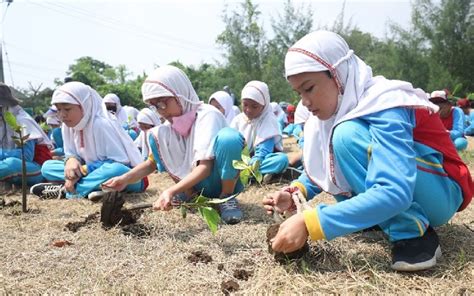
x,y
230,211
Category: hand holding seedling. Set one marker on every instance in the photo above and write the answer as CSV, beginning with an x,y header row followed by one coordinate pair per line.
x,y
291,236
163,203
279,201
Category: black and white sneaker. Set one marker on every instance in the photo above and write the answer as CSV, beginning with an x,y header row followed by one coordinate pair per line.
x,y
96,196
416,254
48,190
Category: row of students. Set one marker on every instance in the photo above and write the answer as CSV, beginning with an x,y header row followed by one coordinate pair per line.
x,y
377,145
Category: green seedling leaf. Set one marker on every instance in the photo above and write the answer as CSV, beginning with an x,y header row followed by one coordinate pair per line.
x,y
44,126
216,201
200,199
258,176
256,166
15,138
10,119
17,143
244,176
211,217
239,165
246,159
246,151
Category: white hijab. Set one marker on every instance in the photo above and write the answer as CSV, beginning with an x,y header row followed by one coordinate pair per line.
x,y
360,94
30,127
118,147
150,117
265,126
121,113
132,114
227,102
180,154
278,111
236,110
302,113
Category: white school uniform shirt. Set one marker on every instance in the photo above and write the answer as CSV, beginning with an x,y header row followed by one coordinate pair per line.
x,y
180,154
96,136
360,94
264,127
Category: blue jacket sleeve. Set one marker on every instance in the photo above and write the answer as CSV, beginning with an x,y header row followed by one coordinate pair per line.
x,y
263,149
311,189
458,124
390,179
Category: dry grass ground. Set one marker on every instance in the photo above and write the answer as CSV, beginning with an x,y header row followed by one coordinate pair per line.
x,y
99,261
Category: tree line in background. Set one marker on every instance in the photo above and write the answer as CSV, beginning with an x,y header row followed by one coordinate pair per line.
x,y
436,52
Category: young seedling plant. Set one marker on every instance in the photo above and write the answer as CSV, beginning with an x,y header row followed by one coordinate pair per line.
x,y
205,207
248,169
19,138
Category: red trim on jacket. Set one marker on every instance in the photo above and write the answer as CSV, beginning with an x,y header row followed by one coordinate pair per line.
x,y
430,131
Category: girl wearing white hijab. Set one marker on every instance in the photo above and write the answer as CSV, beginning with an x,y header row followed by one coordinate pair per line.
x,y
96,148
259,126
224,103
193,146
378,147
115,111
36,148
280,115
147,119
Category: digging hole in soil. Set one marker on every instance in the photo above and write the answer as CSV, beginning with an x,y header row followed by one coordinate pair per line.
x,y
112,212
229,286
199,256
137,230
280,257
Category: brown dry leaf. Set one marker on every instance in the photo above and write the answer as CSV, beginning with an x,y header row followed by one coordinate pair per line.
x,y
61,243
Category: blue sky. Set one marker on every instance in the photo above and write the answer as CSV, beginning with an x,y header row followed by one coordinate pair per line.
x,y
42,38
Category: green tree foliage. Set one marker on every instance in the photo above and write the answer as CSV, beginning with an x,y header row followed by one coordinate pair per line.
x,y
449,36
244,41
435,53
107,79
289,27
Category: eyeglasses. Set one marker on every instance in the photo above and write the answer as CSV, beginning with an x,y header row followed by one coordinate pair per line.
x,y
161,104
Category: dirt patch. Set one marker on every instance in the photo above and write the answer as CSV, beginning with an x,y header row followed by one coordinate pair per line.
x,y
229,286
6,203
75,226
220,267
112,212
199,256
280,257
242,274
137,230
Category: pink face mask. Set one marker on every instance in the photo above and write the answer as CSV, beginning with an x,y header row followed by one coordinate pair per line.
x,y
182,124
